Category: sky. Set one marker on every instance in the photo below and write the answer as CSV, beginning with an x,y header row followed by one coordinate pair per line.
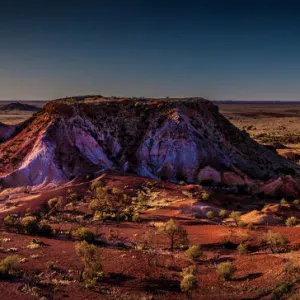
x,y
221,50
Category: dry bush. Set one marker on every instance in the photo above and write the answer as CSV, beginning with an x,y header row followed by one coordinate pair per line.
x,y
276,241
226,270
194,252
84,234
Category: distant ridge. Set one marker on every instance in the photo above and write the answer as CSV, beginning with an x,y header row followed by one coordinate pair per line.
x,y
19,106
256,102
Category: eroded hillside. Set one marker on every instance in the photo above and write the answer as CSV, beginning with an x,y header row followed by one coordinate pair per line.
x,y
170,139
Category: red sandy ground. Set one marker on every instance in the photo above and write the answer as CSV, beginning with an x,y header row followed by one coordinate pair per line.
x,y
139,274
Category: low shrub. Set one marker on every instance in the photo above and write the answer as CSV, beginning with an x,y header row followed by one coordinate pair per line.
x,y
188,283
242,249
296,202
283,201
226,270
210,215
194,252
242,224
45,229
292,221
9,266
84,234
205,196
222,214
235,215
30,225
276,241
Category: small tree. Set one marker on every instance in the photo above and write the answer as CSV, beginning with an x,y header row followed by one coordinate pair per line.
x,y
226,270
194,252
235,215
92,268
276,241
175,232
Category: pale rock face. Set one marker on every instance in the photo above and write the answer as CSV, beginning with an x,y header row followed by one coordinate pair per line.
x,y
37,169
184,140
281,187
209,174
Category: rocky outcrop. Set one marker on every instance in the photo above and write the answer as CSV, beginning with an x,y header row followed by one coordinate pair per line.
x,y
168,139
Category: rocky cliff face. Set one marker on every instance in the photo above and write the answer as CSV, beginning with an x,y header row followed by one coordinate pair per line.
x,y
6,131
174,140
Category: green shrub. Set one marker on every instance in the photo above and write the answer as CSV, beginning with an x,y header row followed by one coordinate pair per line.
x,y
292,268
194,252
276,241
222,214
9,266
242,224
188,283
30,225
283,201
84,234
296,202
226,270
45,229
142,199
96,184
242,249
292,221
250,226
188,270
235,215
95,205
10,222
55,204
210,215
205,196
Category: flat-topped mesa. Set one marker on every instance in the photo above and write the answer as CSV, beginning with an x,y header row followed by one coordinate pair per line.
x,y
169,139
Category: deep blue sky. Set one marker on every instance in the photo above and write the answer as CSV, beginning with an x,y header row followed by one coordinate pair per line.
x,y
242,49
